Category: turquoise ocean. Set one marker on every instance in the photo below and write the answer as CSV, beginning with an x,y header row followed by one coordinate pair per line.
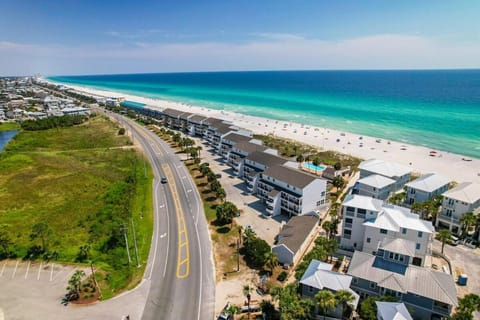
x,y
439,109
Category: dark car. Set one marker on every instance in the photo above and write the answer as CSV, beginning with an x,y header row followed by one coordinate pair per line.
x,y
164,180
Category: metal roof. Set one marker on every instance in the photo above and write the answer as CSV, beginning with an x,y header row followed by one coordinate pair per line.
x,y
468,192
290,176
384,168
393,311
377,181
429,182
402,246
412,279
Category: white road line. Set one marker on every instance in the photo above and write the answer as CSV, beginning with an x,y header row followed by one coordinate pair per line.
x,y
15,270
39,269
168,238
28,267
156,232
3,268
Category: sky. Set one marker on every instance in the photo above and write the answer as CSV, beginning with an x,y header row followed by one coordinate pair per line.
x,y
67,37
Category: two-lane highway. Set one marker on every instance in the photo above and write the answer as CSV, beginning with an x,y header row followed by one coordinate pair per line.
x,y
180,266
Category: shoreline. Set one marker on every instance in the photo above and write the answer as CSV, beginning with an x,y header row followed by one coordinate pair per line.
x,y
419,158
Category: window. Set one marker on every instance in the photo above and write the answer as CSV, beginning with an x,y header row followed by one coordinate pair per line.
x,y
350,209
362,211
348,220
323,193
417,246
420,234
346,231
368,240
396,256
355,280
310,289
383,231
404,230
391,255
372,285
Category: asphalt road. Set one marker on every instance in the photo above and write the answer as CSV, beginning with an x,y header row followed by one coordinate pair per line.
x,y
180,265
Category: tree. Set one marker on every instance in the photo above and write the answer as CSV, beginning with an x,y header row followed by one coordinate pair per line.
x,y
467,306
75,282
268,309
344,297
338,182
41,230
300,158
211,176
337,166
220,194
121,131
444,235
5,241
468,220
368,307
291,307
246,292
326,301
327,226
397,198
199,148
203,169
215,185
271,261
255,251
83,253
225,212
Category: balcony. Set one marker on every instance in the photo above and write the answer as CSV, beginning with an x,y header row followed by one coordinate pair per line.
x,y
270,209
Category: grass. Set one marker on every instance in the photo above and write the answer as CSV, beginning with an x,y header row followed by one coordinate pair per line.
x,y
7,126
62,177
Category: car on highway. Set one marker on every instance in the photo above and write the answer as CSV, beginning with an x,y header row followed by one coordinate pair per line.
x,y
164,180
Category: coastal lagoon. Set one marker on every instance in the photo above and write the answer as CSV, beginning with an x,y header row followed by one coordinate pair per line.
x,y
438,108
5,137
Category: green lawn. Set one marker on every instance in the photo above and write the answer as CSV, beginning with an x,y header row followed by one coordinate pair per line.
x,y
84,182
7,126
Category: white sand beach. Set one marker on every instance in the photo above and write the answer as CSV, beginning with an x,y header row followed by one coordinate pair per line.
x,y
456,167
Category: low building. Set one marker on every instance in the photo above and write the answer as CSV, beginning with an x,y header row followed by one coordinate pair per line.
x,y
256,163
392,170
429,294
319,276
375,186
465,197
195,125
238,153
171,118
75,111
425,188
229,140
294,239
368,222
392,311
291,191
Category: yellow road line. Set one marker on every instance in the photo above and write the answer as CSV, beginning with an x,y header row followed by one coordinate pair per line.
x,y
153,144
183,254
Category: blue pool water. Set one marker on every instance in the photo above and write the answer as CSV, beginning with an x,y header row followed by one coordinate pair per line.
x,y
311,166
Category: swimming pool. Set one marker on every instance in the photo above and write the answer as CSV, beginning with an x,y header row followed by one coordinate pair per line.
x,y
311,166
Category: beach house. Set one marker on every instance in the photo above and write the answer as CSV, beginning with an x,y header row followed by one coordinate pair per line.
x,y
391,170
195,125
429,294
375,186
370,223
290,191
171,118
425,188
465,197
319,276
294,238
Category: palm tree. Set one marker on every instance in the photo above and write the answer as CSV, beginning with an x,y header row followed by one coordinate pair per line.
x,y
75,281
246,292
300,158
327,226
344,297
221,194
468,220
326,301
271,261
41,230
444,235
199,148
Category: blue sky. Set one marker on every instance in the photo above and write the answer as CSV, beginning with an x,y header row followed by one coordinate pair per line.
x,y
97,37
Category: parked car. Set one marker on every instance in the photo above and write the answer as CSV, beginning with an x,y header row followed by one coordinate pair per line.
x,y
454,241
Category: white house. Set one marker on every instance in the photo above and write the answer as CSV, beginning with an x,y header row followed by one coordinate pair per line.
x,y
392,170
294,239
375,186
291,191
392,311
380,224
465,197
425,188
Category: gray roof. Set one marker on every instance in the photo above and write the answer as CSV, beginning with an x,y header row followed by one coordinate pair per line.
x,y
197,118
290,176
222,128
211,121
250,147
235,137
320,275
402,246
265,158
393,311
296,231
376,181
421,281
468,192
172,112
185,115
429,182
384,168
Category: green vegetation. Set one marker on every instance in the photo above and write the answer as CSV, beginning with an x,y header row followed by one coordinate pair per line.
x,y
303,152
68,193
9,126
444,236
467,306
368,308
290,305
256,251
53,122
322,250
428,209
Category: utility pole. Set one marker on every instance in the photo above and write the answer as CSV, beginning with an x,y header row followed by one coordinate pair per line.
x,y
135,243
124,228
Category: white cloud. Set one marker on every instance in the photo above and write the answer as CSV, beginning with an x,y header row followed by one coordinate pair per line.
x,y
265,52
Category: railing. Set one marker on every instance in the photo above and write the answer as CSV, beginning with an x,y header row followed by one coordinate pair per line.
x,y
348,225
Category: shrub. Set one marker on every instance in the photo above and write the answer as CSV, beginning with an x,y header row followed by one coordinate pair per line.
x,y
121,131
282,276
